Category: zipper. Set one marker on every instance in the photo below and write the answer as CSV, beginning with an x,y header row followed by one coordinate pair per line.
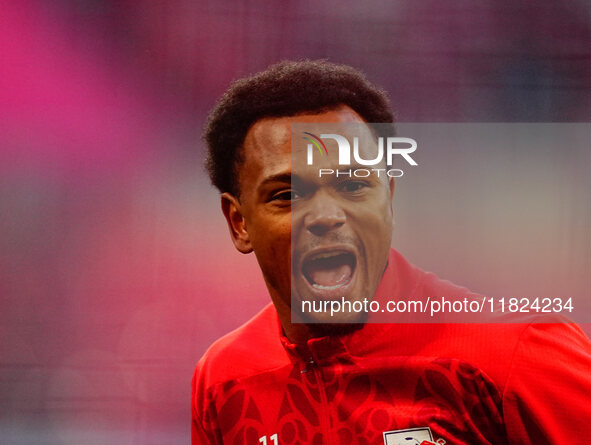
x,y
324,415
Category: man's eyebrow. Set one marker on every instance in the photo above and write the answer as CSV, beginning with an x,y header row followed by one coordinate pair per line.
x,y
280,177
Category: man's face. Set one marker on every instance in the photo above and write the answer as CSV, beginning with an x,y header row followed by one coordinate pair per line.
x,y
315,238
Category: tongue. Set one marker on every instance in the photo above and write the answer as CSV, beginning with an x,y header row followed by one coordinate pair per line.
x,y
330,276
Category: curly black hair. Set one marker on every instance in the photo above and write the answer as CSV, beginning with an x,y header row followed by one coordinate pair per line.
x,y
285,89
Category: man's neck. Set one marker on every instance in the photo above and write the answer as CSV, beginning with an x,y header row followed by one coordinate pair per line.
x,y
300,333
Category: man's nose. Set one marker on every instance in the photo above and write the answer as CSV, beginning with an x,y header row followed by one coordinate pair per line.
x,y
324,214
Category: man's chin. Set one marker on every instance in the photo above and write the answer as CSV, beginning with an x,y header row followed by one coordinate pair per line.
x,y
323,324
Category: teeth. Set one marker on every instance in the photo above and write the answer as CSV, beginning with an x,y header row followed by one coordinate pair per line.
x,y
321,287
322,256
329,270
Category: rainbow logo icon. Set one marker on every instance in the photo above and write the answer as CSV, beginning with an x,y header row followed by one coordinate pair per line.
x,y
316,142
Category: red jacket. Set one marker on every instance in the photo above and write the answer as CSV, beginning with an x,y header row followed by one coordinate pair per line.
x,y
518,383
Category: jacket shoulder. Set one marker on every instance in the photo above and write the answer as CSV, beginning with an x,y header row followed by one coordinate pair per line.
x,y
252,348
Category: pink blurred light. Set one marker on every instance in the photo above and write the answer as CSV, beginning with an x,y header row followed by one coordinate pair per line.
x,y
64,104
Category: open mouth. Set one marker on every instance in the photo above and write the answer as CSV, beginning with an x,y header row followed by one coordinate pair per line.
x,y
329,270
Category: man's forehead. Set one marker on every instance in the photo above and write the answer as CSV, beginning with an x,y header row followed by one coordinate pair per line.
x,y
270,132
275,132
266,152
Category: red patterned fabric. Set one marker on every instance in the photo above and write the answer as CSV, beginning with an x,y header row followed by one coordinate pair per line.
x,y
518,383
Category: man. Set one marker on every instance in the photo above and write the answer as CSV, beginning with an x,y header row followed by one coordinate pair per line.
x,y
286,378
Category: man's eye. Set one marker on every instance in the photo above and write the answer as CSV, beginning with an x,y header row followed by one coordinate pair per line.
x,y
286,195
352,186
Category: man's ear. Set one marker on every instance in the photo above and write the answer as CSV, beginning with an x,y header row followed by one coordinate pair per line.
x,y
236,223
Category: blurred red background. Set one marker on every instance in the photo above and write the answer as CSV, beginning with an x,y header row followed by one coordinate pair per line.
x,y
116,271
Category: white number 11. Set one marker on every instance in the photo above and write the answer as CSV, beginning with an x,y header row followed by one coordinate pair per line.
x,y
263,439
